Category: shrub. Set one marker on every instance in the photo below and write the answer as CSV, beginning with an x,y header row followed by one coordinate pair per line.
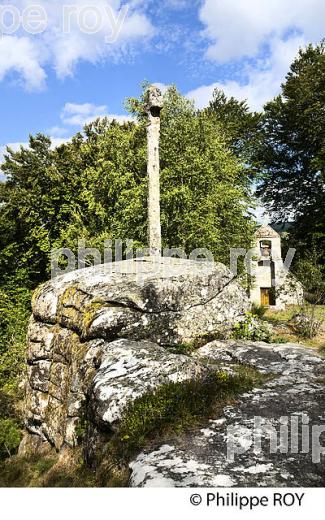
x,y
280,339
306,325
258,310
10,436
14,315
251,328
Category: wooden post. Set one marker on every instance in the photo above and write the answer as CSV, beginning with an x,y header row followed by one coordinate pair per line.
x,y
153,108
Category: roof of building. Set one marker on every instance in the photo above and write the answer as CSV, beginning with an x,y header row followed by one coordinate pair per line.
x,y
266,231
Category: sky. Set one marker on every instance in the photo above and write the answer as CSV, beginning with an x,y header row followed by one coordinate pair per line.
x,y
63,63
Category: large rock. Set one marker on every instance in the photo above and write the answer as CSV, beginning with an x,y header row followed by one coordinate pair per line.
x,y
165,300
129,369
64,373
99,338
292,399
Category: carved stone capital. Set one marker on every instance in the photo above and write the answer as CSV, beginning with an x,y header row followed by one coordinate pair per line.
x,y
154,100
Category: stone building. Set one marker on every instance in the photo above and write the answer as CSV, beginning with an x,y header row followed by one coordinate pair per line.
x,y
273,285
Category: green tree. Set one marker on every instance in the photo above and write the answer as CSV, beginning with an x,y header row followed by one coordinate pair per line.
x,y
240,126
205,189
35,203
95,187
292,152
311,273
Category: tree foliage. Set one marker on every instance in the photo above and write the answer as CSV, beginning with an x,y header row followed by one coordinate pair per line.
x,y
95,188
240,125
14,315
292,152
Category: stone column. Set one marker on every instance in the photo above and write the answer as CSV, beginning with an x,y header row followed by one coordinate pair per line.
x,y
153,108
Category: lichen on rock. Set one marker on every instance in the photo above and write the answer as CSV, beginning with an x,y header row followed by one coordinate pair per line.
x,y
100,337
202,457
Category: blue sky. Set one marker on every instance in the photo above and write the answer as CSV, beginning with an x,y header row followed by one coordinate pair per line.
x,y
62,76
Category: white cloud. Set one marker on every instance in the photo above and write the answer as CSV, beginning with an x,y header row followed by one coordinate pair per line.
x,y
57,131
238,28
57,141
79,114
259,84
265,35
74,114
22,56
67,40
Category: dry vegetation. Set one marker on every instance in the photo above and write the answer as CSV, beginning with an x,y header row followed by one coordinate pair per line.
x,y
283,329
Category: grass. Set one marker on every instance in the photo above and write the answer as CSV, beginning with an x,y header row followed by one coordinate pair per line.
x,y
321,348
175,408
281,317
23,471
169,411
47,471
280,320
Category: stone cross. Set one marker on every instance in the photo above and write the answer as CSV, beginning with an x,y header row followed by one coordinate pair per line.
x,y
153,108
